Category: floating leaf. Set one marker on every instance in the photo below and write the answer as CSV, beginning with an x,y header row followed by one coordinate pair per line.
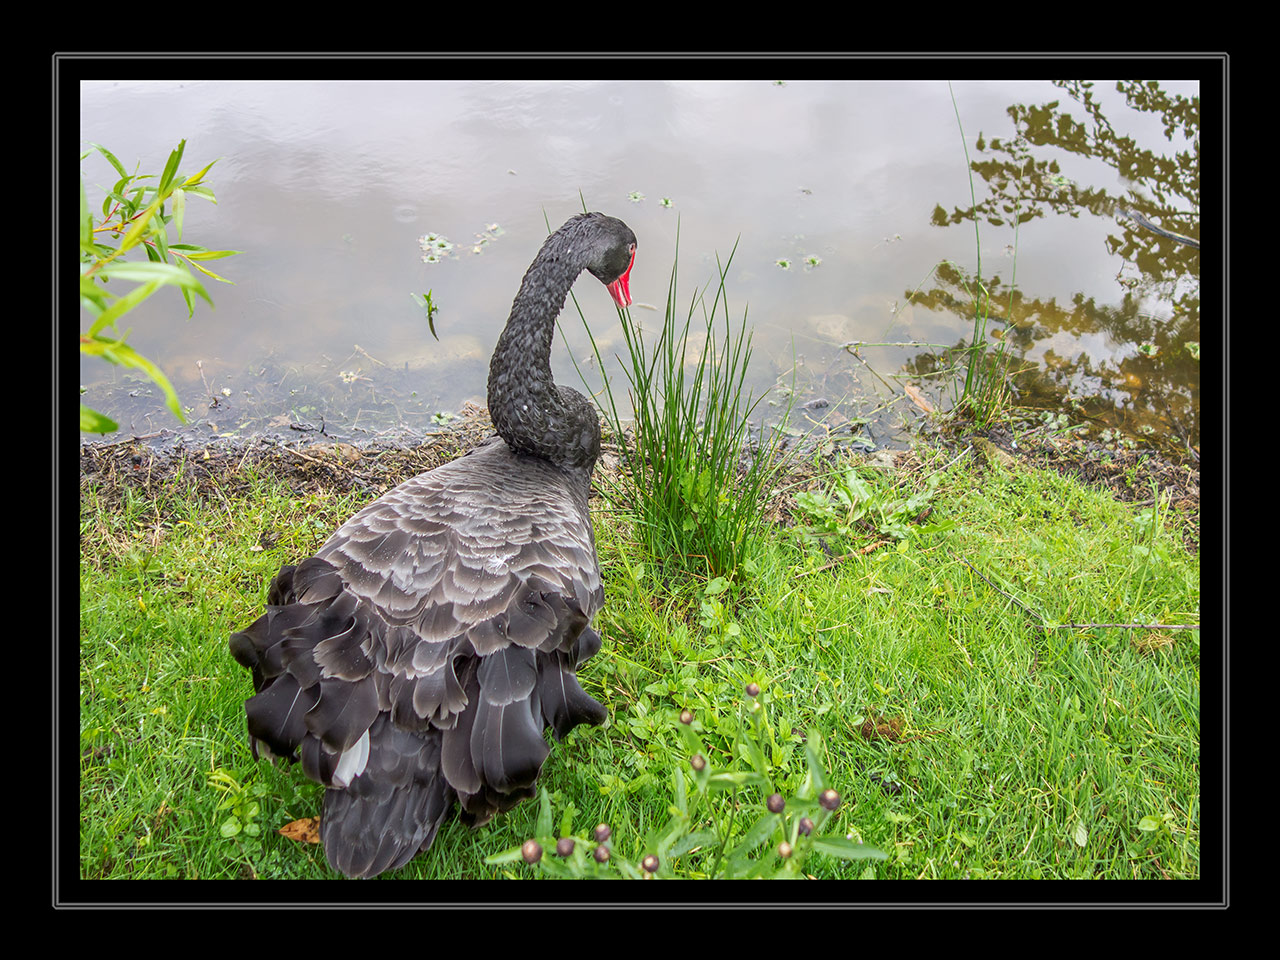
x,y
918,398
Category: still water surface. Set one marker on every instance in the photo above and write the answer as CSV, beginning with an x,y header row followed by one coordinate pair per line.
x,y
850,204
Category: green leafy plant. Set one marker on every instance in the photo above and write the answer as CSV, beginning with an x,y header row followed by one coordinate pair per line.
x,y
725,823
853,505
715,614
239,807
138,214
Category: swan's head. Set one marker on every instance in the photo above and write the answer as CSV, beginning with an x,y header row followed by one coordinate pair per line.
x,y
612,253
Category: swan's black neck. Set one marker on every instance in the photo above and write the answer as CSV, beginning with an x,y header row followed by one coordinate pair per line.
x,y
531,413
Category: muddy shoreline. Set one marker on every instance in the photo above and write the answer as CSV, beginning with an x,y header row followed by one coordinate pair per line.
x,y
313,463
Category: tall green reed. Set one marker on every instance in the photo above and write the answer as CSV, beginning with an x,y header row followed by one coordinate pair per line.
x,y
696,484
986,383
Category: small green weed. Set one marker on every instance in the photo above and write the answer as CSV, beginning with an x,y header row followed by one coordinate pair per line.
x,y
240,803
853,505
723,823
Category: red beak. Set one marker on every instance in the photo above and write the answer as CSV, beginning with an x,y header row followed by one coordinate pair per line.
x,y
620,289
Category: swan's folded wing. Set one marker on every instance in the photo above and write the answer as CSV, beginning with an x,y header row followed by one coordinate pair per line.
x,y
490,553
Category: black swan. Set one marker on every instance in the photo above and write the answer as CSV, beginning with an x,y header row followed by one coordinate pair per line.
x,y
418,657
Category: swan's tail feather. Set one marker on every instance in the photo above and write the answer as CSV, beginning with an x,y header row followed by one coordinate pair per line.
x,y
392,810
564,703
493,756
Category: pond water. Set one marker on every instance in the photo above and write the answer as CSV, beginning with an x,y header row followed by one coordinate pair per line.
x,y
849,203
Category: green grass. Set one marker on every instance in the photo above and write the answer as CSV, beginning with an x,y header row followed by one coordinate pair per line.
x,y
1016,749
